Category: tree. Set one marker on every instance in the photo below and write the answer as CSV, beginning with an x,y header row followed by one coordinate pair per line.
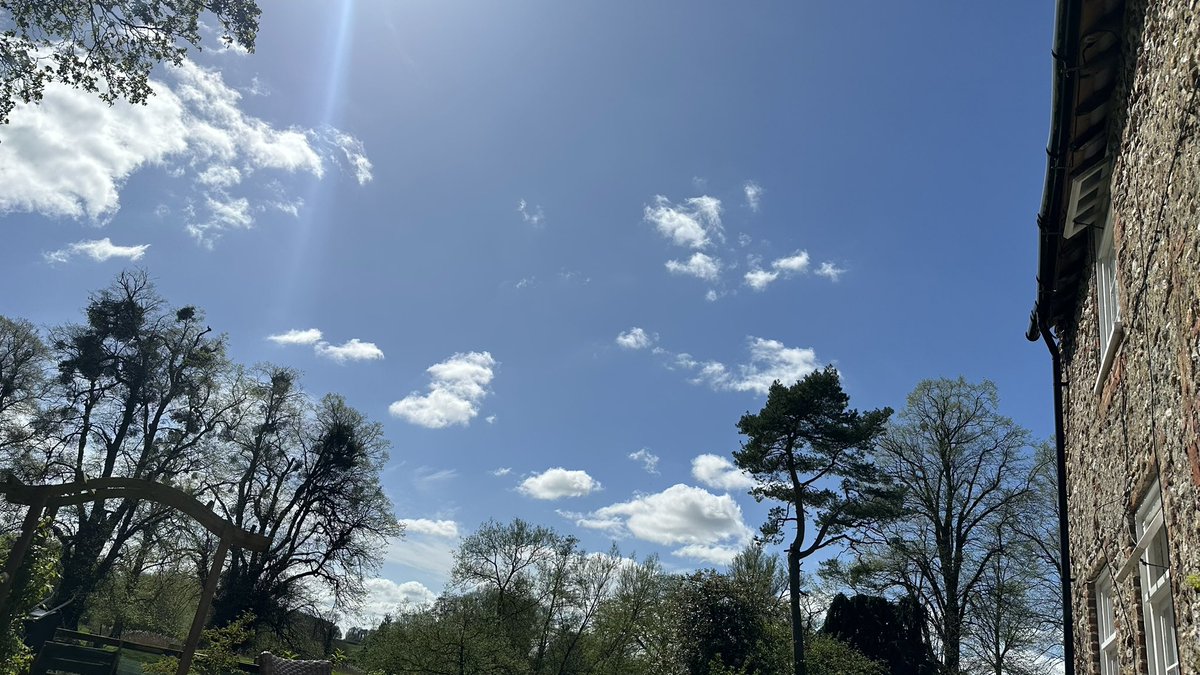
x,y
808,450
306,475
892,633
105,46
136,394
966,472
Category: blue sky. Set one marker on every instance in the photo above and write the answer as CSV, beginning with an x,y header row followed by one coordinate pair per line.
x,y
476,205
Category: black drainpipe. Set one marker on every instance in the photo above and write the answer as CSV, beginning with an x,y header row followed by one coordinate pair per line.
x,y
1060,446
1066,51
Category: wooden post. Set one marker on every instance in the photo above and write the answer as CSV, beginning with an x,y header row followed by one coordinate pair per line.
x,y
16,555
210,588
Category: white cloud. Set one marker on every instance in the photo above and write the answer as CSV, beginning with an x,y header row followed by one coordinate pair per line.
x,y
793,264
788,266
681,514
699,265
558,483
533,216
99,250
351,350
635,338
352,153
718,472
717,555
770,360
648,459
435,528
458,386
830,271
308,336
502,471
712,295
759,279
490,419
71,155
753,193
384,597
430,557
692,224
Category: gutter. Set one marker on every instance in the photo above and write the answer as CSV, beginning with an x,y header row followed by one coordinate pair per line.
x,y
1066,51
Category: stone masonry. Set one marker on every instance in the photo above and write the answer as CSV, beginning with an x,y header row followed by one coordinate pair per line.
x,y
1142,420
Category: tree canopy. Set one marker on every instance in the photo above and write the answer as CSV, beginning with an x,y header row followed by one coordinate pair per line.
x,y
812,453
108,47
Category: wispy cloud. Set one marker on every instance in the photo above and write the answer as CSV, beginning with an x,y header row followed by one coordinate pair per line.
x,y
695,223
71,155
307,336
502,471
458,385
99,250
531,214
754,193
635,338
648,459
699,265
769,360
557,483
830,271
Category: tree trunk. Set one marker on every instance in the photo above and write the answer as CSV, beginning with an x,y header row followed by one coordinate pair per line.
x,y
800,667
952,645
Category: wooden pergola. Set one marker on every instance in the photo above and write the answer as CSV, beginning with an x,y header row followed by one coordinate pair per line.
x,y
40,498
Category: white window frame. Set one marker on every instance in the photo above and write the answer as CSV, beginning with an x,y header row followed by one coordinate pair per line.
x,y
1162,650
1106,628
1108,309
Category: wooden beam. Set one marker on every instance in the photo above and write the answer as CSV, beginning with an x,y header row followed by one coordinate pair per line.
x,y
210,588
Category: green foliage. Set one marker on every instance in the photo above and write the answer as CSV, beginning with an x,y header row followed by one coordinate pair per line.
x,y
826,655
219,654
38,574
797,448
812,454
105,47
1193,581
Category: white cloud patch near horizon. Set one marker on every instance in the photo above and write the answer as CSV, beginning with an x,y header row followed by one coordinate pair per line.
x,y
720,473
679,515
434,528
635,338
384,597
695,223
99,250
71,155
699,265
458,385
558,483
